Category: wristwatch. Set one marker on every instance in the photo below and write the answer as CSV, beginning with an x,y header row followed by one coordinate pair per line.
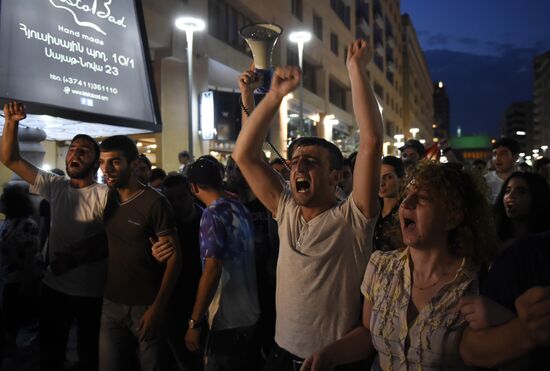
x,y
195,323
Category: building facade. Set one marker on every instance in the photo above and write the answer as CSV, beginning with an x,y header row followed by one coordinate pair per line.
x,y
541,100
517,123
220,55
418,109
441,125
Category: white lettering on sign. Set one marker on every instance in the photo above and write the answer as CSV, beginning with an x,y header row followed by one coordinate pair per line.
x,y
100,9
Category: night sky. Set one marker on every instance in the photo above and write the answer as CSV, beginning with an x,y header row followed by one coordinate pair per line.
x,y
483,50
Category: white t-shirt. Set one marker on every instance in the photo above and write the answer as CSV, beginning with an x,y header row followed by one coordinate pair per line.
x,y
76,214
494,183
319,273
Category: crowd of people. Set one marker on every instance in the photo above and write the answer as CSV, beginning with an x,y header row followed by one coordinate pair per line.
x,y
318,262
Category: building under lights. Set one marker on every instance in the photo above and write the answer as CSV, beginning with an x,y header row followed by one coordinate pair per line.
x,y
472,147
220,55
441,123
418,108
517,123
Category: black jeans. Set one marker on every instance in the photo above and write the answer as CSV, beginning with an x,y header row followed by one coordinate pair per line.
x,y
57,313
282,360
230,350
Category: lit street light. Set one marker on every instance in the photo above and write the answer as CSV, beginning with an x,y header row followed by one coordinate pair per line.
x,y
301,37
414,131
190,25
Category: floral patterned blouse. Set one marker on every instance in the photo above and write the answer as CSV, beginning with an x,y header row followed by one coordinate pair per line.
x,y
431,341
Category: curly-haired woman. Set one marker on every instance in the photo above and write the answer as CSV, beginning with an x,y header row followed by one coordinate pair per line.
x,y
411,294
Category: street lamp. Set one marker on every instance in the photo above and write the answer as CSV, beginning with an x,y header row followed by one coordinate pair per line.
x,y
300,37
190,25
414,131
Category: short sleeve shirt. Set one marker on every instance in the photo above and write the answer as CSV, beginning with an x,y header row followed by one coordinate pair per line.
x,y
227,234
319,272
432,341
523,265
76,214
494,183
134,275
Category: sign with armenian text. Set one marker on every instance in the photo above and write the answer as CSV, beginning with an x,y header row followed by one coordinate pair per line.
x,y
83,60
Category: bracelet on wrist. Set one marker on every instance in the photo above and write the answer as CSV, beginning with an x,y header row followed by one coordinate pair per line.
x,y
245,110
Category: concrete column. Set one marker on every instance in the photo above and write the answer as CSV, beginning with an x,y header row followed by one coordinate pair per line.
x,y
174,111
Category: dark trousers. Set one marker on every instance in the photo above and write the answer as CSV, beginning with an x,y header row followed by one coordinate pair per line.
x,y
230,350
281,360
57,313
16,309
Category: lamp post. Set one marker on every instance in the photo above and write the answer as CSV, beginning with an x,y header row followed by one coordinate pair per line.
x,y
190,25
399,138
301,37
414,131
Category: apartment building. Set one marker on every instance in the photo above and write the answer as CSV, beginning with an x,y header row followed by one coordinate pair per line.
x,y
219,56
517,123
441,125
418,110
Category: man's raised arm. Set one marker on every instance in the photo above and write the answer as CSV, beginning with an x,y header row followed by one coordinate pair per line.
x,y
262,179
366,179
9,152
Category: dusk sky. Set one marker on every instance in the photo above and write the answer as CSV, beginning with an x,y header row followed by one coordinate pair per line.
x,y
508,32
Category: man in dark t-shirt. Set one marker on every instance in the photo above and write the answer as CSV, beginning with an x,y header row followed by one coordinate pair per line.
x,y
188,216
138,288
523,265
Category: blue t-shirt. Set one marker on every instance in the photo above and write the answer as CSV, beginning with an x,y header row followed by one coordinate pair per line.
x,y
227,234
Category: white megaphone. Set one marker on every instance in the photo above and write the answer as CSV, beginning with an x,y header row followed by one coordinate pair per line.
x,y
261,38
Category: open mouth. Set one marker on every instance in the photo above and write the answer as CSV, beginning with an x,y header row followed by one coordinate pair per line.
x,y
109,179
302,185
409,223
74,164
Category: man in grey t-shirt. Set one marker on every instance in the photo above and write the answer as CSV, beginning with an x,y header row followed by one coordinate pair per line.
x,y
74,281
324,244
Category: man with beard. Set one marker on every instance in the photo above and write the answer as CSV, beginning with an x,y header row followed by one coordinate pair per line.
x,y
324,244
69,292
138,288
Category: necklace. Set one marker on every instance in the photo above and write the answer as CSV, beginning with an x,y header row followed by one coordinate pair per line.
x,y
430,285
426,287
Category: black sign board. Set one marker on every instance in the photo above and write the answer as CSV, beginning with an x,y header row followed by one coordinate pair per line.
x,y
85,60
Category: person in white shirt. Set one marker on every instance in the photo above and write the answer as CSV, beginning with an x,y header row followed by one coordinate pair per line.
x,y
505,155
74,282
325,244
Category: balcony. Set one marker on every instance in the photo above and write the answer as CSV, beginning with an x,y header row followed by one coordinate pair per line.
x,y
364,27
379,48
379,19
390,41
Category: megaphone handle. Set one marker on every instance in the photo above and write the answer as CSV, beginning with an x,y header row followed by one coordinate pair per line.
x,y
278,154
